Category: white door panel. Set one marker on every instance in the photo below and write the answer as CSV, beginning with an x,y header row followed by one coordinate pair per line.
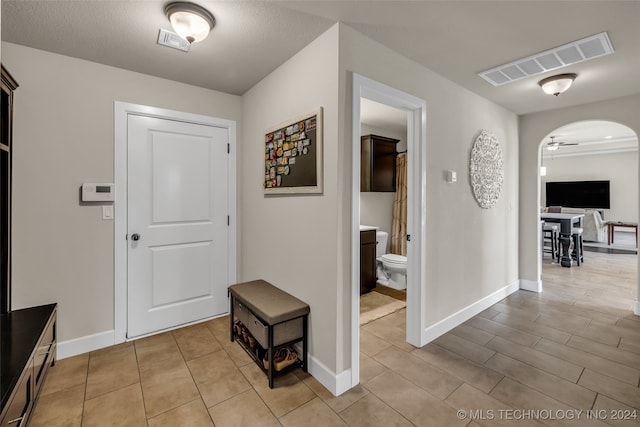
x,y
178,205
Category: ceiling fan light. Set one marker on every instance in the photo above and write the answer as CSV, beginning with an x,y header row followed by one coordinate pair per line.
x,y
189,20
552,147
555,85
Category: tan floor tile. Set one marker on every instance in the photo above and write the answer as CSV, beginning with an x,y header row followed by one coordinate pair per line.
x,y
195,341
190,414
412,402
337,403
123,407
522,397
311,414
591,361
371,344
217,377
533,328
548,363
167,384
603,335
486,408
615,413
565,391
103,364
288,391
236,353
472,334
516,311
369,368
489,313
414,369
608,352
511,334
155,348
395,335
219,325
61,408
65,374
245,409
611,387
474,352
478,376
371,411
629,345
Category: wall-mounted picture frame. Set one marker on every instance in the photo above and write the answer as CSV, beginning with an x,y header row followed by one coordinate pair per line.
x,y
293,155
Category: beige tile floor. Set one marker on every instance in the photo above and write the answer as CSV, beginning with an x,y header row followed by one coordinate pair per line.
x,y
530,360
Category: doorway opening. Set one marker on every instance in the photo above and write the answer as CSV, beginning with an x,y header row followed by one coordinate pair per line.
x,y
415,110
590,168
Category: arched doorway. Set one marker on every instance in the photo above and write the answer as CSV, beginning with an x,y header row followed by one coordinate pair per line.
x,y
532,130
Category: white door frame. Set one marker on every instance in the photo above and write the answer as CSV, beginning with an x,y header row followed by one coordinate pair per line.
x,y
121,112
416,209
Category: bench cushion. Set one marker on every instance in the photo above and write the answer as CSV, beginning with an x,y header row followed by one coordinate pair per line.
x,y
269,303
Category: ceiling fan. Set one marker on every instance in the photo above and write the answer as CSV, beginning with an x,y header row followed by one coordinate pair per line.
x,y
554,145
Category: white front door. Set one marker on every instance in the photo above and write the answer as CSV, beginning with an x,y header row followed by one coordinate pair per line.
x,y
177,233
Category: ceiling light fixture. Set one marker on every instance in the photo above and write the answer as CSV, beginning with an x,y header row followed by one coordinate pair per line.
x,y
555,85
191,21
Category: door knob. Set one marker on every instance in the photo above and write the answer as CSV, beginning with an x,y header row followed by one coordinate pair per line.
x,y
135,237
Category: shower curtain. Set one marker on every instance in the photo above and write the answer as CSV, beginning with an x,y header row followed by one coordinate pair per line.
x,y
399,222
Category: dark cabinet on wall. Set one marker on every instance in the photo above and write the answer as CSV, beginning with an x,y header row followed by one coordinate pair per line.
x,y
378,163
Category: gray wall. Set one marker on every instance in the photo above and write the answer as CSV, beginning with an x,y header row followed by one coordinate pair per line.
x,y
471,252
63,133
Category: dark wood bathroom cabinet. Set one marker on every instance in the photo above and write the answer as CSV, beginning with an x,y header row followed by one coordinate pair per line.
x,y
378,164
367,261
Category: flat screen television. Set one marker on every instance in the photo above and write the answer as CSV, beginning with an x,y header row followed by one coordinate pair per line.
x,y
579,194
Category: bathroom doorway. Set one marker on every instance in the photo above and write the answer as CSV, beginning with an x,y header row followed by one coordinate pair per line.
x,y
383,209
414,111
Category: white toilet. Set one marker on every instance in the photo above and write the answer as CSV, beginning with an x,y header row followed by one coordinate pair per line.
x,y
392,268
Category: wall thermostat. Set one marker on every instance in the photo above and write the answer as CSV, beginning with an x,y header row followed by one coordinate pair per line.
x,y
98,192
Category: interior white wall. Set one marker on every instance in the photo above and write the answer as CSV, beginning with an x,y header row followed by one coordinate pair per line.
x,y
533,128
291,240
376,208
471,252
63,133
621,169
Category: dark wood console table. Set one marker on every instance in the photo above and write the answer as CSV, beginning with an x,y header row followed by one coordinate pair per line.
x,y
28,350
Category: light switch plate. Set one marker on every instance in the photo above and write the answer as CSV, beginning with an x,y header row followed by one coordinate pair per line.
x,y
107,212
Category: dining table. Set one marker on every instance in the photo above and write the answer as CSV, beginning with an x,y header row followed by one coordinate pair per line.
x,y
567,221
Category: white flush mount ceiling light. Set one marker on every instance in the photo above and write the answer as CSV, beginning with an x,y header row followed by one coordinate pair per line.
x,y
555,85
191,21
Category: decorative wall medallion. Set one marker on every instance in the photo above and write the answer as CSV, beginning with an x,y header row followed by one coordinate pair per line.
x,y
486,169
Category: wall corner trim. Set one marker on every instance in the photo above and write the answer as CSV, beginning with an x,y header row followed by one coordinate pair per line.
x,y
434,331
531,285
336,384
636,308
85,344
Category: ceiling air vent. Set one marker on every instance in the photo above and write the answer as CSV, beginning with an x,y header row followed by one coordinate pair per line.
x,y
169,39
552,59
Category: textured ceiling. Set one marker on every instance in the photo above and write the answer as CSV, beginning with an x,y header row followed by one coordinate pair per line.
x,y
456,39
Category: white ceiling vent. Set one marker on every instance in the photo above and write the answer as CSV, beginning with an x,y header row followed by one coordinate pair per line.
x,y
169,39
552,59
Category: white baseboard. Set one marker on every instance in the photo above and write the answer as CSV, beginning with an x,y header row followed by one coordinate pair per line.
x,y
336,384
434,331
85,344
636,308
531,285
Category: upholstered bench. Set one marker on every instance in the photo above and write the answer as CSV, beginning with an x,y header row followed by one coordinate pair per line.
x,y
274,318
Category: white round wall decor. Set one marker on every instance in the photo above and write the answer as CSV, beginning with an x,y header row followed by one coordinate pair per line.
x,y
486,169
